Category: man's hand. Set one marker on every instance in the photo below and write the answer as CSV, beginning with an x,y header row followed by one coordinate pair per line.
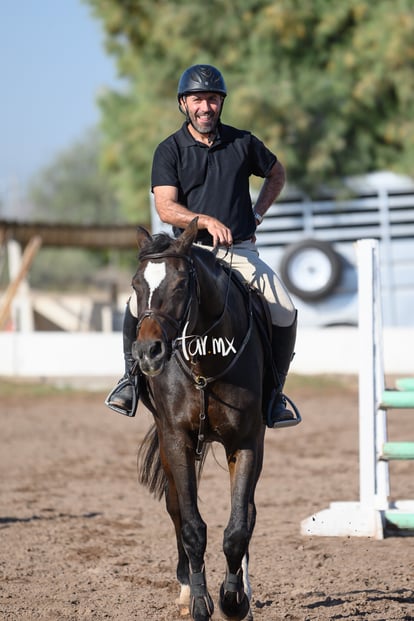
x,y
220,233
171,212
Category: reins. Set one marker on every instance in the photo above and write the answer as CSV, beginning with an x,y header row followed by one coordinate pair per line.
x,y
201,382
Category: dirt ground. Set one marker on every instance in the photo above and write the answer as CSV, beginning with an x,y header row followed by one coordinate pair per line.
x,y
81,540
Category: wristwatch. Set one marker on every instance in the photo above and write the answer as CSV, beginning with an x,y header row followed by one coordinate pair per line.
x,y
257,216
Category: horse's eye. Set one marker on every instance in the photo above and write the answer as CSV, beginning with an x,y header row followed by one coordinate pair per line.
x,y
181,285
138,288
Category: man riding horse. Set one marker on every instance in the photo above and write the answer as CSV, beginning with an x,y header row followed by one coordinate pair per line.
x,y
203,170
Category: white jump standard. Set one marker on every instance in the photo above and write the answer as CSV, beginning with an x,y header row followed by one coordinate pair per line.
x,y
374,515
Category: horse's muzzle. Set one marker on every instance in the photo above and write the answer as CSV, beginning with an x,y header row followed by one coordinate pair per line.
x,y
151,356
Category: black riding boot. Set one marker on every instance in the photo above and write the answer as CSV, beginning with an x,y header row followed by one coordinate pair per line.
x,y
283,343
124,397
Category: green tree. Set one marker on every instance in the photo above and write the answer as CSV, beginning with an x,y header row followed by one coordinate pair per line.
x,y
325,84
73,189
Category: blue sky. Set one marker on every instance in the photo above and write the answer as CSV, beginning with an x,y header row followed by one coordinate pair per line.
x,y
52,66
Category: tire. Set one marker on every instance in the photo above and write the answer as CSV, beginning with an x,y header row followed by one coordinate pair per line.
x,y
311,269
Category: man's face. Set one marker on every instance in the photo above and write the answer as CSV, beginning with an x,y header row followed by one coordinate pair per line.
x,y
203,110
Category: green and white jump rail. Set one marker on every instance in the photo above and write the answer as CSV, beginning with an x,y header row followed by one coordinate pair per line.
x,y
374,515
405,383
397,451
402,397
400,516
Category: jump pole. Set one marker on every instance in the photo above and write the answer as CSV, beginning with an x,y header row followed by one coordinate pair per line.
x,y
370,516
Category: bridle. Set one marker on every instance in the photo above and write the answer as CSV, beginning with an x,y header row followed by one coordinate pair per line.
x,y
156,315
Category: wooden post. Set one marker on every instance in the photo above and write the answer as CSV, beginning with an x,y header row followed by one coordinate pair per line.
x,y
27,259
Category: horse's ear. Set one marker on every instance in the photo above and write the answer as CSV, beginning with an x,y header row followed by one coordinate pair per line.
x,y
143,237
188,236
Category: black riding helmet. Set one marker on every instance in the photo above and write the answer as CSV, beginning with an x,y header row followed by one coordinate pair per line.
x,y
199,79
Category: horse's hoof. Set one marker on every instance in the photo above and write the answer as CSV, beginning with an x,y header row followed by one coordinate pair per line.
x,y
250,615
231,609
202,608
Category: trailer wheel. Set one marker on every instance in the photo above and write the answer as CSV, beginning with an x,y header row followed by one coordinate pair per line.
x,y
311,269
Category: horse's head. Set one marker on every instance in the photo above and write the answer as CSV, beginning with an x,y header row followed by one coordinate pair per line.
x,y
164,286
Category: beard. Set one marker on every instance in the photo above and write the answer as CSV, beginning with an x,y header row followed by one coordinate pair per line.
x,y
207,125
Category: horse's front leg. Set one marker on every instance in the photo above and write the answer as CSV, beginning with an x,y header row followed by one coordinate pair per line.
x,y
183,573
191,531
245,467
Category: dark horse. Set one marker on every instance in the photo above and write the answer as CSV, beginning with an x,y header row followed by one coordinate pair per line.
x,y
202,360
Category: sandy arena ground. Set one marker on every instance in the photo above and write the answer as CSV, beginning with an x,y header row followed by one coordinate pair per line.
x,y
80,540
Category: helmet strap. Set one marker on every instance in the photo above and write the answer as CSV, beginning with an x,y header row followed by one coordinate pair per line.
x,y
180,106
183,108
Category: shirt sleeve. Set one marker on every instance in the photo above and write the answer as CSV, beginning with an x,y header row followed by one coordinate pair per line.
x,y
164,167
262,159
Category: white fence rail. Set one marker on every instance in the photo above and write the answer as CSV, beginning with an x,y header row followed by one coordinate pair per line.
x,y
62,354
384,215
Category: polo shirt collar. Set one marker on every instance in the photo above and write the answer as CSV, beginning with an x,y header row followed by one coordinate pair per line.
x,y
185,139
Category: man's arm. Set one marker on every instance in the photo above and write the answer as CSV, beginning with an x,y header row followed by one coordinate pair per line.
x,y
271,188
171,212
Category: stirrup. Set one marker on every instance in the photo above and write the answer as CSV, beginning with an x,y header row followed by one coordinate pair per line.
x,y
127,381
290,422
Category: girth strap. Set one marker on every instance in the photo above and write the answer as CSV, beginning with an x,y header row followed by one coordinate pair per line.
x,y
202,420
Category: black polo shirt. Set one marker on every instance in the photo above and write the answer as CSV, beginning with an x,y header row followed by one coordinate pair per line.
x,y
214,180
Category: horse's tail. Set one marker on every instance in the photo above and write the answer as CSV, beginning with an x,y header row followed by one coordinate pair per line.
x,y
150,470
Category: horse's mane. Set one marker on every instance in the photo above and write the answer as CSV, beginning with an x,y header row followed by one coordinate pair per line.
x,y
161,242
